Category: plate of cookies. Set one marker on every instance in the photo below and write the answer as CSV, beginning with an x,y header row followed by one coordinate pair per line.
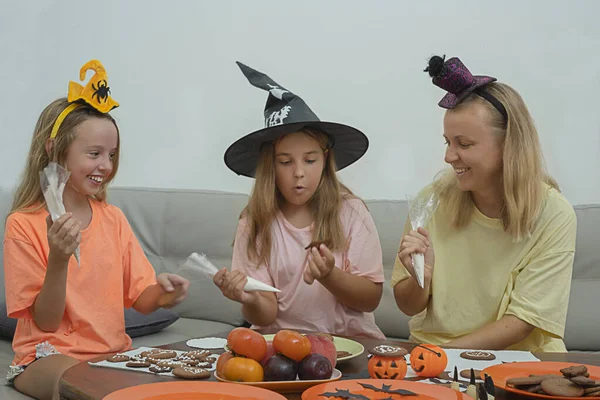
x,y
195,364
547,380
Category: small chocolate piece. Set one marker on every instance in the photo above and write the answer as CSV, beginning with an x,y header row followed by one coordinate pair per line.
x,y
118,358
385,350
316,244
562,387
477,355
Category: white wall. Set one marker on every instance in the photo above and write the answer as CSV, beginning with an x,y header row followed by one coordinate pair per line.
x,y
171,65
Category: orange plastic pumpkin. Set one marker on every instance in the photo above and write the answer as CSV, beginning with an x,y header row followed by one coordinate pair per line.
x,y
387,362
428,360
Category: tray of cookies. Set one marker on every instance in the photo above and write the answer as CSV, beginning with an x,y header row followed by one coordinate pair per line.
x,y
194,364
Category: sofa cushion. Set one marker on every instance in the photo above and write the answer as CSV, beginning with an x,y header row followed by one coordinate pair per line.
x,y
136,324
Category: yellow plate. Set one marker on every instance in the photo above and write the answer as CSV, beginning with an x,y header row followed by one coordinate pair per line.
x,y
341,344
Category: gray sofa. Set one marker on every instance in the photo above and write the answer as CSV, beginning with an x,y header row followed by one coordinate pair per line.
x,y
171,224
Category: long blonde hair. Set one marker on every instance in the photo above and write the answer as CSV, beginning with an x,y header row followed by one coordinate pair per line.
x,y
28,196
266,200
523,166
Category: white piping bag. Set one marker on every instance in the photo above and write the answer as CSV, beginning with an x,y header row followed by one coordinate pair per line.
x,y
200,263
420,211
53,180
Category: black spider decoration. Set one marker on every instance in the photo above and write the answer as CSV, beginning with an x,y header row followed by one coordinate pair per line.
x,y
102,91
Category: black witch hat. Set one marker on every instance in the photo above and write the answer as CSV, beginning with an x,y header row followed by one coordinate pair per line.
x,y
287,113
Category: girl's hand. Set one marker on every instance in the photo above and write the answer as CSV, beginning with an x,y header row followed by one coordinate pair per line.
x,y
175,287
64,235
417,242
232,286
320,264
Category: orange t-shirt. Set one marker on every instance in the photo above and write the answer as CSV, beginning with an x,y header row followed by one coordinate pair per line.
x,y
114,271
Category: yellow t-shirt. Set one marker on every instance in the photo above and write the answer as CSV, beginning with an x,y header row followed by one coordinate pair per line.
x,y
482,274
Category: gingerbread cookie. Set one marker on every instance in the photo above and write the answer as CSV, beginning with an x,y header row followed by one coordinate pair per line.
x,y
529,381
118,358
138,364
191,373
197,354
561,387
160,370
210,360
388,351
593,391
584,381
158,354
574,370
171,363
477,355
192,362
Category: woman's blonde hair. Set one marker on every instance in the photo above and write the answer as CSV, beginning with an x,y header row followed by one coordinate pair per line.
x,y
523,169
29,196
266,199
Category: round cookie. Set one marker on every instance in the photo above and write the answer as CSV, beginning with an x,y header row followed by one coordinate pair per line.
x,y
191,373
477,355
158,354
562,387
118,358
160,370
385,350
528,381
138,364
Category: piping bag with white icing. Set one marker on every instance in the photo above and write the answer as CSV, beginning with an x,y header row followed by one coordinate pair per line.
x,y
420,211
199,263
53,179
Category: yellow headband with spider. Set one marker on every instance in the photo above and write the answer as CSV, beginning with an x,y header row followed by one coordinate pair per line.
x,y
95,93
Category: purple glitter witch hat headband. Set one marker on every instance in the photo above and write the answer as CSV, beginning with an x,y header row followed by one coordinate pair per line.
x,y
454,77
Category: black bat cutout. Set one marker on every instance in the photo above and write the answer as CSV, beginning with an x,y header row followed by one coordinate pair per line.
x,y
344,394
386,389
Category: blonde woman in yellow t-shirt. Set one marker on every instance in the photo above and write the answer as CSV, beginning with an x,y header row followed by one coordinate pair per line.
x,y
504,236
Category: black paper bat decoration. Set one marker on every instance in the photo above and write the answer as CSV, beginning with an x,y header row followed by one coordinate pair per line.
x,y
344,394
386,389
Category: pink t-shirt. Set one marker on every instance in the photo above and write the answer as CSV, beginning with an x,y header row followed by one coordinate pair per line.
x,y
313,307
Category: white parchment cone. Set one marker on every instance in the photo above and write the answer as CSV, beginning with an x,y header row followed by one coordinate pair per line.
x,y
200,263
53,179
420,211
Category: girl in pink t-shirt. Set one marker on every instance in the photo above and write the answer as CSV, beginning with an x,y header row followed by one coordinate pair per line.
x,y
302,231
70,308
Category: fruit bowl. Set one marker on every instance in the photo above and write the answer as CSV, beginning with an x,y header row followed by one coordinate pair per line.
x,y
295,386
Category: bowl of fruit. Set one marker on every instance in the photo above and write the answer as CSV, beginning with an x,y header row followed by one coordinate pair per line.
x,y
288,363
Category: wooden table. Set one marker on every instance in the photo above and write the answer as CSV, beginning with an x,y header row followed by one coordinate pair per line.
x,y
84,382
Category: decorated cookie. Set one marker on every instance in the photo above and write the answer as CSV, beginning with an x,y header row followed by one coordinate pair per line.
x,y
561,387
478,355
158,354
118,358
171,363
197,354
191,373
210,360
388,351
192,362
160,370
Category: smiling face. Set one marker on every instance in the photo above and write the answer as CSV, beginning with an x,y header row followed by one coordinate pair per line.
x,y
299,163
473,150
91,154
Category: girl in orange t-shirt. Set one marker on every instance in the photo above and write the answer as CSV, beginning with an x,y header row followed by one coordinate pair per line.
x,y
70,309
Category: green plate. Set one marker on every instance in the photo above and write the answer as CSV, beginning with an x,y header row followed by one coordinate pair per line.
x,y
341,344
